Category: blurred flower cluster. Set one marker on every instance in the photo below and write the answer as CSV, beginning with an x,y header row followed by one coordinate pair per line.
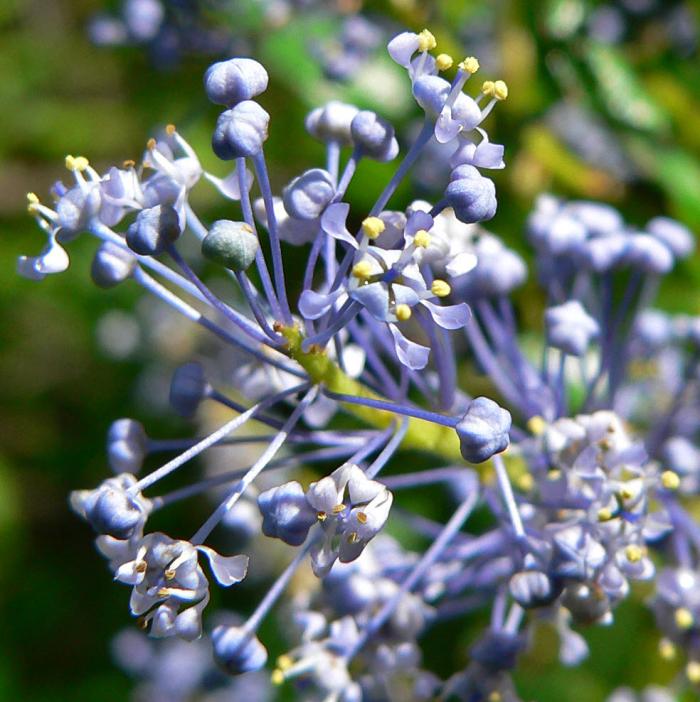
x,y
358,337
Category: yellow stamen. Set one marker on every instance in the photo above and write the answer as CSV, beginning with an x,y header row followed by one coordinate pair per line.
x,y
129,163
554,474
692,670
321,516
536,425
403,312
141,567
170,129
684,618
443,62
525,482
488,87
362,270
151,144
362,518
285,662
670,480
626,493
169,574
634,553
338,508
372,227
76,163
422,239
277,677
353,537
667,650
440,288
605,514
500,90
470,64
426,41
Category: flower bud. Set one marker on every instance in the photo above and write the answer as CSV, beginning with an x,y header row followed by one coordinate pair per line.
x,y
238,651
678,238
332,122
570,328
648,254
188,388
127,445
374,135
240,131
231,244
233,81
531,588
114,514
470,195
308,194
111,265
483,430
153,230
286,513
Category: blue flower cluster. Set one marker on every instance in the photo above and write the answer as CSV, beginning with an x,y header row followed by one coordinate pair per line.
x,y
586,473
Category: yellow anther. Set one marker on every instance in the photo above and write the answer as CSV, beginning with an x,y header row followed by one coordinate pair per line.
x,y
285,662
362,518
634,553
500,90
667,650
372,227
536,425
277,677
151,144
247,228
440,288
626,493
163,592
443,62
141,567
684,618
670,480
321,516
605,514
32,199
426,41
353,537
76,163
403,312
470,64
495,696
422,239
338,508
169,574
362,270
553,474
170,129
129,163
488,88
525,482
692,670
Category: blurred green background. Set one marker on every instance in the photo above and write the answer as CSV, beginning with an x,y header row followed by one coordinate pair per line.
x,y
586,117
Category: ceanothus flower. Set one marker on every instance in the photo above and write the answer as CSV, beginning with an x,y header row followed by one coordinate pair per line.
x,y
170,589
352,509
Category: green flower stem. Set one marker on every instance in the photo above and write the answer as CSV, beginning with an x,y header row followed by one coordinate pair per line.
x,y
421,434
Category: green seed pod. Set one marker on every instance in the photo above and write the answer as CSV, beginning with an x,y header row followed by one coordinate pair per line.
x,y
231,244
